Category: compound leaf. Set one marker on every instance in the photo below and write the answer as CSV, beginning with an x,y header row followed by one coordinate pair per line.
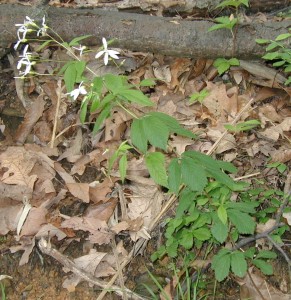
x,y
138,137
155,162
242,221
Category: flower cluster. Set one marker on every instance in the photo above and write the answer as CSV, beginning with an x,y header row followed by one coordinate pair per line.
x,y
25,60
29,26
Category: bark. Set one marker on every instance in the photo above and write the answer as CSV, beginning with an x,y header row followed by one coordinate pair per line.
x,y
143,32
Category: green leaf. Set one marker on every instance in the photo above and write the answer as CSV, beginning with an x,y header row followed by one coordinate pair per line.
x,y
102,116
70,77
238,264
123,167
262,41
221,264
266,254
114,83
247,207
234,62
242,221
192,174
222,214
265,267
173,124
219,231
136,96
202,234
138,137
43,45
187,239
283,36
155,162
271,56
75,41
148,82
185,201
156,132
172,248
174,176
97,85
83,112
80,67
95,103
271,46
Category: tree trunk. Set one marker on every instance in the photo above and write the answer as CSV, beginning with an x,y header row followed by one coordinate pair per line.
x,y
143,32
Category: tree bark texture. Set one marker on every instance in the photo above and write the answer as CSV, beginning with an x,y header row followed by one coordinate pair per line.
x,y
145,33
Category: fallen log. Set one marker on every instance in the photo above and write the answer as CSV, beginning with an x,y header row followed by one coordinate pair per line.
x,y
145,33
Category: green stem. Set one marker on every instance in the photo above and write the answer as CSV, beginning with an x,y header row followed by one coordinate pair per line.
x,y
128,111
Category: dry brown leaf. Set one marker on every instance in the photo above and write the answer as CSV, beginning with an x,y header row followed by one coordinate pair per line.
x,y
34,221
98,191
255,287
50,230
180,143
227,143
102,211
274,132
79,190
80,165
15,192
32,115
281,155
287,216
62,172
73,152
9,216
180,66
27,244
17,164
98,229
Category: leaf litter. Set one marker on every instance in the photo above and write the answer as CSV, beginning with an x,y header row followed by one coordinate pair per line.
x,y
72,168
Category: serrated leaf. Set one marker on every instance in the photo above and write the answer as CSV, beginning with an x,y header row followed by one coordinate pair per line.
x,y
265,267
222,214
136,96
172,248
219,231
172,124
155,162
247,207
185,201
238,263
186,240
114,83
221,264
138,137
156,132
123,167
242,221
174,179
266,254
192,174
202,234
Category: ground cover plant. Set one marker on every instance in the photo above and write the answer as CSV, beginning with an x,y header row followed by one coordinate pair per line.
x,y
146,148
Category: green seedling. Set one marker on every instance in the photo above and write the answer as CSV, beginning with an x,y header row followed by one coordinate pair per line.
x,y
199,96
244,126
223,64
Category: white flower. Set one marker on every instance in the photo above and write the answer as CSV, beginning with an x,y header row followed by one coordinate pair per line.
x,y
106,52
23,29
76,92
43,29
81,49
25,61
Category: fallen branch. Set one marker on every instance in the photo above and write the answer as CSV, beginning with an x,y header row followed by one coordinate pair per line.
x,y
145,33
46,248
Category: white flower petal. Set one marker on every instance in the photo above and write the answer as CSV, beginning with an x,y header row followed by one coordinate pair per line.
x,y
100,53
104,42
106,58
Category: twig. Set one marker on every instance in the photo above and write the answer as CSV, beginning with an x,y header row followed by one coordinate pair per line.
x,y
59,94
46,248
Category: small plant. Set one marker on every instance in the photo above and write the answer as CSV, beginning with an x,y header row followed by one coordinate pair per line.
x,y
199,96
281,167
223,64
278,53
228,22
244,126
